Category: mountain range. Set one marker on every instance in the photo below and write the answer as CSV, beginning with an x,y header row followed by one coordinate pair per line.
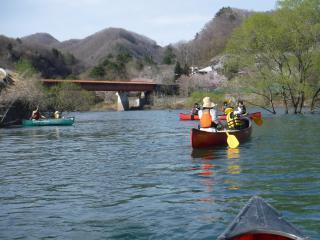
x,y
60,59
94,48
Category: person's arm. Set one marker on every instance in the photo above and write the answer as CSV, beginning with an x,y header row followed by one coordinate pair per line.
x,y
238,111
214,116
32,115
200,114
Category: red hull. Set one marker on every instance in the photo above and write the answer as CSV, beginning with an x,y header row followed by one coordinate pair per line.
x,y
202,139
188,117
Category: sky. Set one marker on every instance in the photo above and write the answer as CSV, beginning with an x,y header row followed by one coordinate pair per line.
x,y
165,21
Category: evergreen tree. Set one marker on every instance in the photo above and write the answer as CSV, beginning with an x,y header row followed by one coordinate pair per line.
x,y
169,56
178,71
97,72
186,70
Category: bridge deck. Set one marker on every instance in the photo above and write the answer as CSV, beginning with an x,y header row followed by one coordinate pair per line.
x,y
93,85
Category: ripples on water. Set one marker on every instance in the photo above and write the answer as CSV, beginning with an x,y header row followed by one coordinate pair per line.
x,y
134,175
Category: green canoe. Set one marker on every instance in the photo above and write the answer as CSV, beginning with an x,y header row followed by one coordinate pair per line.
x,y
49,122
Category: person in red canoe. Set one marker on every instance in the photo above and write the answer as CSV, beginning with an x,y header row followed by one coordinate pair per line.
x,y
195,109
36,114
241,108
224,106
208,116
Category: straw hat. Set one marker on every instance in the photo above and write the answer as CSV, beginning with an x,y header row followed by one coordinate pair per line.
x,y
207,103
56,112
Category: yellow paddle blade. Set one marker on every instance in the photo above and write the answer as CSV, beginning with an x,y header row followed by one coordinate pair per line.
x,y
232,141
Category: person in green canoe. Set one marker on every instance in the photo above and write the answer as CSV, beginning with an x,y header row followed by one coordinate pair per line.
x,y
57,115
36,115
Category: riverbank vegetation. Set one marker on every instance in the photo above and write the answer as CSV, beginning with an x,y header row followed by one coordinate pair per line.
x,y
18,99
276,56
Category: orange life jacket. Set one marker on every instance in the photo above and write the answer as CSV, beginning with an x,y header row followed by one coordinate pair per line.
x,y
206,119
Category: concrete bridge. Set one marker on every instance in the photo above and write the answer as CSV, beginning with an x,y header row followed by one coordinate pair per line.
x,y
122,89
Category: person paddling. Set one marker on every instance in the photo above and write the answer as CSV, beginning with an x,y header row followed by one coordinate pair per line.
x,y
57,115
233,120
241,108
195,109
208,115
36,115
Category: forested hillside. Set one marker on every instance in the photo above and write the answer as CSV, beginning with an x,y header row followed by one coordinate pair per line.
x,y
212,39
34,58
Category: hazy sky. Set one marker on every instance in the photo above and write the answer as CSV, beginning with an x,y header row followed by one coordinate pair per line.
x,y
165,21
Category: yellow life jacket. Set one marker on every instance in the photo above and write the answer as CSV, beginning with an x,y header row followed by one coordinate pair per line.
x,y
206,119
233,121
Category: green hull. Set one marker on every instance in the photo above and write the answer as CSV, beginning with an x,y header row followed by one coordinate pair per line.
x,y
49,122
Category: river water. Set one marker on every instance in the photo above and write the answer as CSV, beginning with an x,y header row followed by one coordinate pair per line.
x,y
134,175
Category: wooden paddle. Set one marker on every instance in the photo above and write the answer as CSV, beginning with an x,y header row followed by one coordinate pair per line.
x,y
232,140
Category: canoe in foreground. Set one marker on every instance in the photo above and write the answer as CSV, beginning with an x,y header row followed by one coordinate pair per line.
x,y
49,122
188,117
259,220
203,139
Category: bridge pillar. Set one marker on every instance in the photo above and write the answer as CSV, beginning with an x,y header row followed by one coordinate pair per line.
x,y
123,101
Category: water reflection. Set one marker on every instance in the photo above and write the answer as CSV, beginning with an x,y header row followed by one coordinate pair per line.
x,y
233,153
206,167
233,168
233,165
43,133
206,170
203,154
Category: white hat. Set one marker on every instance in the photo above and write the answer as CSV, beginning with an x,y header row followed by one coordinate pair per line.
x,y
207,103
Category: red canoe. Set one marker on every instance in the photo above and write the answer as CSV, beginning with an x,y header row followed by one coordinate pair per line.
x,y
188,117
203,139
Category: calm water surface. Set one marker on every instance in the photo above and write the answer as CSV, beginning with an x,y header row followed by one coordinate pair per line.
x,y
134,175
